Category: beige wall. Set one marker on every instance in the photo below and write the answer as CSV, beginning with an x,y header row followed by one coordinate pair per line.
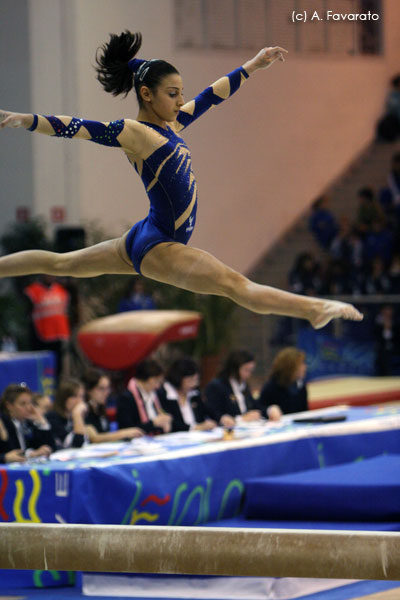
x,y
260,159
16,166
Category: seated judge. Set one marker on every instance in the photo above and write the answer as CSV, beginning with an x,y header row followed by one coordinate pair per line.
x,y
181,397
228,396
8,456
285,391
98,387
138,404
25,428
42,402
67,419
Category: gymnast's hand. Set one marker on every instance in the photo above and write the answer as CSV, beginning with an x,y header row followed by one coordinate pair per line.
x,y
265,58
10,119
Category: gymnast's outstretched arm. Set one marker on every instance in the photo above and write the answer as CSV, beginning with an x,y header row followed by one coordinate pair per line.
x,y
124,133
224,87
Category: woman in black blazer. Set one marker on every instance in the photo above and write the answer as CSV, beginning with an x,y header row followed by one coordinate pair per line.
x,y
67,419
138,404
285,391
180,397
26,429
228,396
6,455
98,387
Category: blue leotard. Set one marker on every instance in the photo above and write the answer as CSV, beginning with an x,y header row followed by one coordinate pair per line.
x,y
169,180
171,187
167,173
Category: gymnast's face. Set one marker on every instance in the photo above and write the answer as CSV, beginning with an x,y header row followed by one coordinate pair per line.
x,y
167,99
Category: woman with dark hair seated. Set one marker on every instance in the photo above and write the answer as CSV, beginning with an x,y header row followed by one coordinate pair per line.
x,y
228,396
67,419
98,388
285,391
24,428
8,456
138,404
180,397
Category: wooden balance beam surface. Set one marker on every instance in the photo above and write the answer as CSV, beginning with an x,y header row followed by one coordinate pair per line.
x,y
201,551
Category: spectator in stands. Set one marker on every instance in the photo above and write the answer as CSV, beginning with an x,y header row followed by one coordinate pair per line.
x,y
180,397
285,391
394,273
347,245
67,419
136,297
98,389
377,279
369,211
387,341
390,195
42,403
337,280
389,125
8,456
50,327
379,242
228,396
138,404
348,249
26,428
322,223
305,277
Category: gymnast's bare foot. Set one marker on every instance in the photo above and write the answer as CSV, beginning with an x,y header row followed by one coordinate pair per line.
x,y
326,310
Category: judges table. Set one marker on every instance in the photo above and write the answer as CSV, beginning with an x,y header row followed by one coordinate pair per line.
x,y
188,478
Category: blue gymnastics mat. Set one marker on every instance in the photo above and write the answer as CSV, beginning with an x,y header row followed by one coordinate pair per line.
x,y
363,491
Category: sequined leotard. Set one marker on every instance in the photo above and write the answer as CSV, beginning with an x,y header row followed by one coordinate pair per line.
x,y
172,190
168,177
167,173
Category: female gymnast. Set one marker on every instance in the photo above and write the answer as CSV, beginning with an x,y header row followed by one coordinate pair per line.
x,y
157,246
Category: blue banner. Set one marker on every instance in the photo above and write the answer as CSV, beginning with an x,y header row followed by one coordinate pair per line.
x,y
328,356
36,369
188,486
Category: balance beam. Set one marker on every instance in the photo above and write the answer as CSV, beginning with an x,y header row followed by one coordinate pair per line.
x,y
201,550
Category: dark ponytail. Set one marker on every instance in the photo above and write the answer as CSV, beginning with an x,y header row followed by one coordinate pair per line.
x,y
115,69
112,59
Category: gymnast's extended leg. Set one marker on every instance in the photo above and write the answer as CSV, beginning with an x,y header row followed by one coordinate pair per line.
x,y
108,257
198,271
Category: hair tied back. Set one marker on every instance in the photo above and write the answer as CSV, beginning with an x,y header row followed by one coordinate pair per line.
x,y
135,63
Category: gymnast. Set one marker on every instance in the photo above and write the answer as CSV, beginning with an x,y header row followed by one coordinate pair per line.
x,y
156,247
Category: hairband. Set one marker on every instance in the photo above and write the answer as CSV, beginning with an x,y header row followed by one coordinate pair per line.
x,y
140,67
135,63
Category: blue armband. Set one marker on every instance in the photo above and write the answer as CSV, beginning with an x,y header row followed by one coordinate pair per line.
x,y
104,134
34,124
208,98
100,133
61,130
